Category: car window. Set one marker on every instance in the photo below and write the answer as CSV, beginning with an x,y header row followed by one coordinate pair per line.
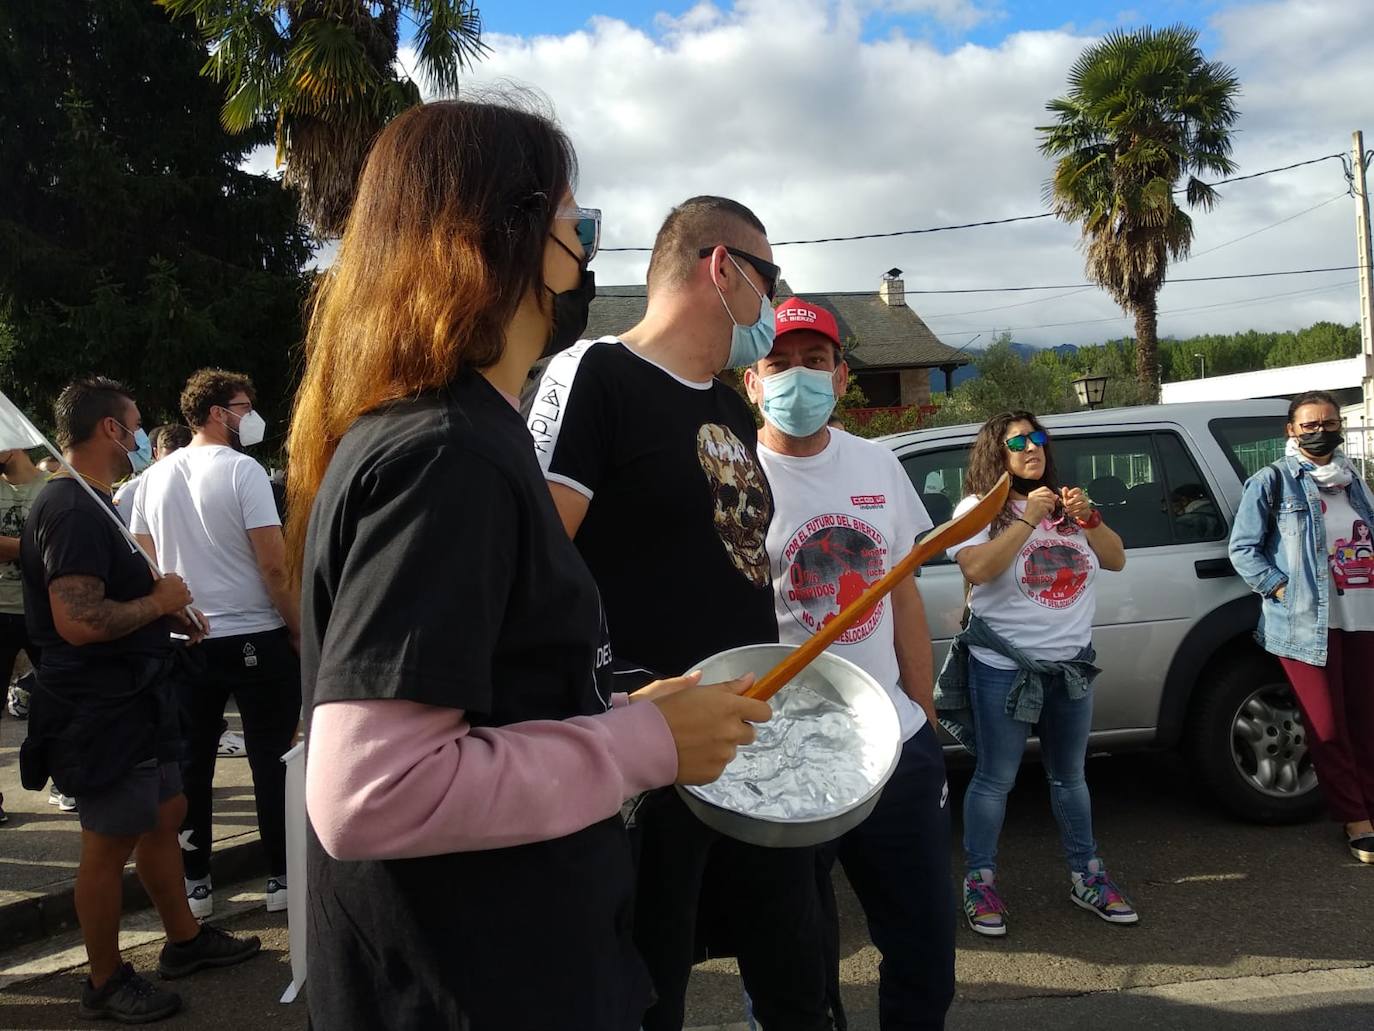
x,y
1122,474
1146,485
1250,443
938,477
1195,513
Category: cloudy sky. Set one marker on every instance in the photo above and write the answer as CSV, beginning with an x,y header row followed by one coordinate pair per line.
x,y
865,116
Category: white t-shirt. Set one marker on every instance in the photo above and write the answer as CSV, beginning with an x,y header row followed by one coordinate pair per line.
x,y
125,495
842,519
198,506
1043,603
1350,559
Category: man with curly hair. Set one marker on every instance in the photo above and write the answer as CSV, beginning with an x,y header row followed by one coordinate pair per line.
x,y
208,513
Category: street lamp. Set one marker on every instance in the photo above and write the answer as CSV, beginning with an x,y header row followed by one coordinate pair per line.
x,y
1090,389
1202,360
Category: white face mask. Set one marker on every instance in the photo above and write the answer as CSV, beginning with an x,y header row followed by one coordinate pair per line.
x,y
252,428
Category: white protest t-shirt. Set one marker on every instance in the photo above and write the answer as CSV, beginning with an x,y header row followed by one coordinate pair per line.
x,y
1044,603
1350,558
198,506
842,519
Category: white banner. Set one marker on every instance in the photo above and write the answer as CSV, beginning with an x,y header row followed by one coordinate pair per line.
x,y
295,867
15,429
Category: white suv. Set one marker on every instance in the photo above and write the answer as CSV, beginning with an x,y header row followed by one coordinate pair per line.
x,y
1174,631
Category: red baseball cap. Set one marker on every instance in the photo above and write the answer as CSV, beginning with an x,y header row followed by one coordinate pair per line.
x,y
794,313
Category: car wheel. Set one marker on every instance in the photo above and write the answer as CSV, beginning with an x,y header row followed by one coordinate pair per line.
x,y
1248,743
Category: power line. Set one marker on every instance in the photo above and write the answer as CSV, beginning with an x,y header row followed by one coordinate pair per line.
x,y
1199,254
1259,299
980,224
1274,225
1075,287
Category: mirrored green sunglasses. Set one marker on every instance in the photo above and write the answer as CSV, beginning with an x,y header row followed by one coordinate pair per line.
x,y
1018,443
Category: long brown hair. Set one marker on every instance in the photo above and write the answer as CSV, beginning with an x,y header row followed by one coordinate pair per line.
x,y
445,238
989,460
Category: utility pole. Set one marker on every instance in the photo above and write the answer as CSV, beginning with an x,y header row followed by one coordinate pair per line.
x,y
1366,264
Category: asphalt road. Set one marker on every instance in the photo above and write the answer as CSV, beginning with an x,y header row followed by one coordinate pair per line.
x,y
1235,920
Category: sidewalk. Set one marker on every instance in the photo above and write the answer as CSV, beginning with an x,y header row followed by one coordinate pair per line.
x,y
40,846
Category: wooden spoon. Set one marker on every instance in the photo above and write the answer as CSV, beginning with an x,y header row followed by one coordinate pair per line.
x,y
943,537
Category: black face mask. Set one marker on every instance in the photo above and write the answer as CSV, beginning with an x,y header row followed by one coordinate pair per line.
x,y
1021,485
570,311
1320,443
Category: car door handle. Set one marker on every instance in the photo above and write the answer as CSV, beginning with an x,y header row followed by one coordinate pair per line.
x,y
1214,568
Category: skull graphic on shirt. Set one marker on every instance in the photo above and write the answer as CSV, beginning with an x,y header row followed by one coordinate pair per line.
x,y
741,502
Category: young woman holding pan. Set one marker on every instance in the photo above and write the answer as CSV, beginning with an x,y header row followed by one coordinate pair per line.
x,y
466,761
1026,658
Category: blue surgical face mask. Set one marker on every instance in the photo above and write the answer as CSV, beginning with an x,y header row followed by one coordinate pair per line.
x,y
799,401
749,344
142,455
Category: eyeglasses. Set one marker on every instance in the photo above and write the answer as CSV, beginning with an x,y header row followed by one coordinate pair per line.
x,y
770,272
1018,443
1329,425
237,404
588,229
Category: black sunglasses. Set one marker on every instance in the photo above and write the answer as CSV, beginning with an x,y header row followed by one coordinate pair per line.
x,y
770,272
1018,443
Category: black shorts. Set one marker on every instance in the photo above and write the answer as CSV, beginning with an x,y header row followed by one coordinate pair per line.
x,y
129,806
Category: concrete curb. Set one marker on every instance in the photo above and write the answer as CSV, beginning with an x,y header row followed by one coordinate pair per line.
x,y
28,920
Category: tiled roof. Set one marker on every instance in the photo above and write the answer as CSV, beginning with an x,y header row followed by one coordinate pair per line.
x,y
882,336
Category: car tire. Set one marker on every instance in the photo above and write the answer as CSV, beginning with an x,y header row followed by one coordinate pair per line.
x,y
1244,711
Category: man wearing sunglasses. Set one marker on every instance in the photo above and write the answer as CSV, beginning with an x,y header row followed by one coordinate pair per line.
x,y
653,468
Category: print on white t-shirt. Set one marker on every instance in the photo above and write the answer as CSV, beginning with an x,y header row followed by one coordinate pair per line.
x,y
830,562
1350,559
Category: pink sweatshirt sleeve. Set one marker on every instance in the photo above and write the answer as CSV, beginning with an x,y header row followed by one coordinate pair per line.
x,y
390,779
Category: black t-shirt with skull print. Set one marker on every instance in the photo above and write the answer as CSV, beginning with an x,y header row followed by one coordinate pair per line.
x,y
679,507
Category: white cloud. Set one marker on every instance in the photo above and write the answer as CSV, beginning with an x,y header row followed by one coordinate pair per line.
x,y
787,107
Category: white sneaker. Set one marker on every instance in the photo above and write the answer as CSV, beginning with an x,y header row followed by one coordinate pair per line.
x,y
65,803
231,746
276,895
201,896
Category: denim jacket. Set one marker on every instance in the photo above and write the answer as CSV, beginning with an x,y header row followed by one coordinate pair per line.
x,y
1279,540
1027,697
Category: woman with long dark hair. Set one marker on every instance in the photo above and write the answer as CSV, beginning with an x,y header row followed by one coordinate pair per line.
x,y
1302,542
467,763
1026,657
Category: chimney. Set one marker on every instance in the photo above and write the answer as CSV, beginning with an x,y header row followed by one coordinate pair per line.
x,y
891,288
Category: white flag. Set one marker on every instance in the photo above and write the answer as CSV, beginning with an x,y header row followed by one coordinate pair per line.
x,y
15,429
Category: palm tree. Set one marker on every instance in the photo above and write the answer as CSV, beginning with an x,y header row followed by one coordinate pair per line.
x,y
324,74
1144,109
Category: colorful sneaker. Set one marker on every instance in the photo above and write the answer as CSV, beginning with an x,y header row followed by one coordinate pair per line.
x,y
128,998
200,895
983,907
276,895
1097,893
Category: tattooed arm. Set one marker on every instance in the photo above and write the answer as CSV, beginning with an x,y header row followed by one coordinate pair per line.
x,y
83,615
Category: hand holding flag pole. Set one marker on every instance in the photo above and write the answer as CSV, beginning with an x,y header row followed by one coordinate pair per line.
x,y
16,431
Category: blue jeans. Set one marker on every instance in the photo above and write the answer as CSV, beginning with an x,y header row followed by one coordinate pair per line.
x,y
1064,726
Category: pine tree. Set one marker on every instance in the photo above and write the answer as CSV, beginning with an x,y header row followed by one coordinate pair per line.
x,y
132,244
